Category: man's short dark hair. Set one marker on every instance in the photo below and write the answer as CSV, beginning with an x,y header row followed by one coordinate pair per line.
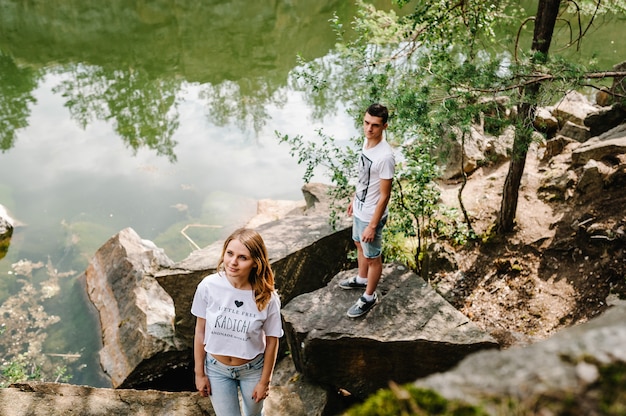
x,y
378,110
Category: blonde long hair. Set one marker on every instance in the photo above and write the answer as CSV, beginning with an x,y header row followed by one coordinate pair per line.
x,y
262,277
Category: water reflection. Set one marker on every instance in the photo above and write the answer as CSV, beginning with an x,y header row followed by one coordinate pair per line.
x,y
143,109
16,87
125,62
96,103
229,103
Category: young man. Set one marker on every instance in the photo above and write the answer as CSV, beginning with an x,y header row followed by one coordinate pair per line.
x,y
370,208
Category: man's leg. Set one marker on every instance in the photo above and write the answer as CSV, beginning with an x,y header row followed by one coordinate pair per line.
x,y
374,268
371,268
374,271
362,261
360,280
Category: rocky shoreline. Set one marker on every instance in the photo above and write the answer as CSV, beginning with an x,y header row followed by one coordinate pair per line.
x,y
143,299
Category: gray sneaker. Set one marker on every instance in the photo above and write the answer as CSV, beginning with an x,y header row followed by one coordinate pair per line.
x,y
351,283
362,306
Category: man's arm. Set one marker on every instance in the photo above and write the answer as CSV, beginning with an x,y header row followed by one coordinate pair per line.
x,y
351,206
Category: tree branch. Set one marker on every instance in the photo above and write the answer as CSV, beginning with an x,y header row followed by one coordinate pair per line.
x,y
538,78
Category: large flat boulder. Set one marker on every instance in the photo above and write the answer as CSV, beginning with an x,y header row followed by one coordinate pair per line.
x,y
411,333
56,399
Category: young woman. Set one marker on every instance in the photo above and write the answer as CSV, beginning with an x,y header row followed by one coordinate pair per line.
x,y
237,327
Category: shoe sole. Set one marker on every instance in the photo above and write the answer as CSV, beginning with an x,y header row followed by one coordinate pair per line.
x,y
352,287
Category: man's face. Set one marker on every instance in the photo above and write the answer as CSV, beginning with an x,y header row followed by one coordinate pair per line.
x,y
373,127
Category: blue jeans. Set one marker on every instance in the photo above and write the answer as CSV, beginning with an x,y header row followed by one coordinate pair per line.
x,y
372,249
227,381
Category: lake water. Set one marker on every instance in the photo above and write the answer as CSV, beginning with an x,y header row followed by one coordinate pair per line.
x,y
145,115
149,115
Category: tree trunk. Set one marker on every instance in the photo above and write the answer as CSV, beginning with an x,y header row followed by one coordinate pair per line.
x,y
545,20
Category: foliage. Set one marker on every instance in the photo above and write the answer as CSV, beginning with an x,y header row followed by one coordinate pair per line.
x,y
613,389
384,64
22,368
19,369
410,400
400,247
61,374
439,68
336,160
449,225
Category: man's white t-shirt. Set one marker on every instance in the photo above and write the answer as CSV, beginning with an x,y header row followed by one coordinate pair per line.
x,y
375,163
234,325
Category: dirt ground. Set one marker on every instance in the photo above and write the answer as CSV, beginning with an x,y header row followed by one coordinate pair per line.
x,y
546,275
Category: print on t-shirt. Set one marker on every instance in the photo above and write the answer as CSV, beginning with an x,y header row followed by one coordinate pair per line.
x,y
365,166
233,322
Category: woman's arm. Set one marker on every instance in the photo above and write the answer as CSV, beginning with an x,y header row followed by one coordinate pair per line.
x,y
199,354
262,388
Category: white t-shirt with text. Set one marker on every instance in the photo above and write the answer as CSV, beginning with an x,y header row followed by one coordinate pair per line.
x,y
375,163
234,325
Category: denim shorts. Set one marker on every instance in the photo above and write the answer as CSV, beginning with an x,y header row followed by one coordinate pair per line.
x,y
227,382
372,249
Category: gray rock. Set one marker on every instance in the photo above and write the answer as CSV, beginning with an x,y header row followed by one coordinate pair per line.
x,y
592,179
604,146
559,184
478,148
289,395
317,197
573,107
557,145
6,229
136,314
585,169
52,399
605,119
411,333
564,366
545,122
575,132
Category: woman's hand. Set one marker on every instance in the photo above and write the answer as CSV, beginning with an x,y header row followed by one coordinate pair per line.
x,y
203,385
199,355
261,391
262,388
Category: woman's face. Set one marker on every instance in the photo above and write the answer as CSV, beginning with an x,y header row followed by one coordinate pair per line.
x,y
238,262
